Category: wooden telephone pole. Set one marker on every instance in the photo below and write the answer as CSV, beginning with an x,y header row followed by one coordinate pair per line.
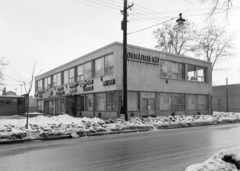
x,y
124,28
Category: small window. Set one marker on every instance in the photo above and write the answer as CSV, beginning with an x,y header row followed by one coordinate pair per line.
x,y
1,102
99,67
8,102
109,65
71,75
80,71
220,102
89,102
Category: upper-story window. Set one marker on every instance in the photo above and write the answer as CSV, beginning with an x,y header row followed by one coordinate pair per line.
x,y
196,73
56,80
99,67
47,82
65,77
88,70
71,75
84,71
80,71
172,70
104,66
109,65
39,83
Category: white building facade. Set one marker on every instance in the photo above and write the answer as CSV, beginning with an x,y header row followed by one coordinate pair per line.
x,y
158,84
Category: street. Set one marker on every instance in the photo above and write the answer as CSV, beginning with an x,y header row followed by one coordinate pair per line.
x,y
162,150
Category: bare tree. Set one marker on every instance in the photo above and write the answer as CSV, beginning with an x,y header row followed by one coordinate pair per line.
x,y
27,84
214,44
176,39
217,6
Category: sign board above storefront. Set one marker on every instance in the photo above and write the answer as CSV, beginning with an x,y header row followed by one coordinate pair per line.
x,y
108,82
88,88
138,57
148,95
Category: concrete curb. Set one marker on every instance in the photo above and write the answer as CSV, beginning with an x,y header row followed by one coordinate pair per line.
x,y
89,134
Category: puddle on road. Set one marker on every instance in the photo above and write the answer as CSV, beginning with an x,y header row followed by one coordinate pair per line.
x,y
226,128
27,149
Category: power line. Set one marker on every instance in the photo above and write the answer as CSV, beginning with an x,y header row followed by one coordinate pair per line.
x,y
152,26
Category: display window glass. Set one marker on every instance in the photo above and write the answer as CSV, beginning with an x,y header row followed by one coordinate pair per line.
x,y
132,101
112,98
192,102
202,102
101,101
89,102
165,101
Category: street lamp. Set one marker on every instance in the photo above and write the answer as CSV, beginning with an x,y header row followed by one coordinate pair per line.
x,y
180,21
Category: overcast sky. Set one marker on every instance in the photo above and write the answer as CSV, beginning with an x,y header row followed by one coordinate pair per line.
x,y
53,32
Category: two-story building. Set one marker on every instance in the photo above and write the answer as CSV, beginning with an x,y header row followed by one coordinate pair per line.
x,y
158,84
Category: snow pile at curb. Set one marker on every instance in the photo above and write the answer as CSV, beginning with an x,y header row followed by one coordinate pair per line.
x,y
222,161
44,127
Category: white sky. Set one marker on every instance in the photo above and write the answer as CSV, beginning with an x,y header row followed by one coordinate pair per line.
x,y
53,32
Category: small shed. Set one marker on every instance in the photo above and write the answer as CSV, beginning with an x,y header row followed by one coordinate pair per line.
x,y
12,105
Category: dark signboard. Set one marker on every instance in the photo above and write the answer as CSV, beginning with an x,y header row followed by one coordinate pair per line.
x,y
108,82
88,88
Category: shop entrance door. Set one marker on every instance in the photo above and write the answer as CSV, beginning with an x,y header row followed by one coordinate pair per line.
x,y
46,107
51,107
148,106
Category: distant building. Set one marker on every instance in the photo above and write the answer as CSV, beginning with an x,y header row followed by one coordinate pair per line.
x,y
11,105
223,94
10,93
158,84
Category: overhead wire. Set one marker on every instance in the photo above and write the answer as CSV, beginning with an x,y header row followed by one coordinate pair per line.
x,y
95,6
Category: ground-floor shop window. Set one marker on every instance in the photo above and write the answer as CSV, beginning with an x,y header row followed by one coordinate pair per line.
x,y
101,101
40,106
220,102
165,101
81,103
178,102
89,102
132,101
112,98
202,102
62,106
192,102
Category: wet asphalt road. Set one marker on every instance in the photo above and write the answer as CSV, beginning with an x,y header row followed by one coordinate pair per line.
x,y
162,150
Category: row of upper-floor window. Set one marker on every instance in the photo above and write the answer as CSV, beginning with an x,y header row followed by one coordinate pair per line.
x,y
175,70
97,68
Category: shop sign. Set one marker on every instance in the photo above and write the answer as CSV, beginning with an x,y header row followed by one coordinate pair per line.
x,y
40,92
73,90
143,58
148,95
59,88
88,88
87,82
59,93
109,82
73,85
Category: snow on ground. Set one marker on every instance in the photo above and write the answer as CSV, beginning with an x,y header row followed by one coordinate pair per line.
x,y
222,161
41,127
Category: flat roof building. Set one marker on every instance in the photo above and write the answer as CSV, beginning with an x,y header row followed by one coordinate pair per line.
x,y
158,84
226,98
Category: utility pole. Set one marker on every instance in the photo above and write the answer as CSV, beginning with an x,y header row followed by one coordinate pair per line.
x,y
124,28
